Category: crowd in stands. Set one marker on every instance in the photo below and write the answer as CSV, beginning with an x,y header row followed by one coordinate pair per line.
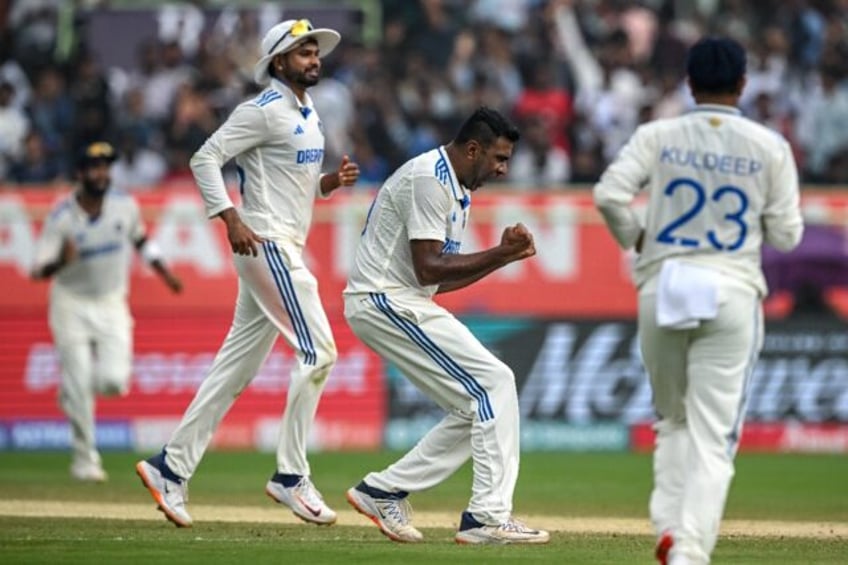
x,y
578,76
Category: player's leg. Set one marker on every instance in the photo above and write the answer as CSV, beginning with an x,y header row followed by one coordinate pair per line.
x,y
664,353
72,338
721,361
287,293
446,361
113,345
237,362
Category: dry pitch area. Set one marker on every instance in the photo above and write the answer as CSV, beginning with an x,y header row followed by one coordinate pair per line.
x,y
271,514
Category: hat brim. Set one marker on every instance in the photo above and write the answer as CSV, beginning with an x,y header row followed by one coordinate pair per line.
x,y
327,40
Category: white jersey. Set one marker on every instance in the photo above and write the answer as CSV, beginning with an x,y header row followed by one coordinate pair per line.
x,y
718,185
421,200
278,145
105,245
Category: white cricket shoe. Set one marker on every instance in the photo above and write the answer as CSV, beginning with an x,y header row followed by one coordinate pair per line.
x,y
303,499
171,496
392,515
511,531
88,472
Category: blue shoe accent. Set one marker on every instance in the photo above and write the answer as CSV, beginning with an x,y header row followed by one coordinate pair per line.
x,y
286,480
158,461
377,493
469,522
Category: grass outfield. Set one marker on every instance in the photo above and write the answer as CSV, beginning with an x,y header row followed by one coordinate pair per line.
x,y
810,488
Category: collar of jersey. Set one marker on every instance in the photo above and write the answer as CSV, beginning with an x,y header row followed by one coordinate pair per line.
x,y
720,108
287,92
459,191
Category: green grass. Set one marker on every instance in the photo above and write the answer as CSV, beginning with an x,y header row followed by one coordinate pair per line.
x,y
775,487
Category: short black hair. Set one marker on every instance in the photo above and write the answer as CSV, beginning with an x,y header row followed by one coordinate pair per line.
x,y
486,125
715,65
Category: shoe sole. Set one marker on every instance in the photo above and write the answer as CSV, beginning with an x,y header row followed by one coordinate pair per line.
x,y
500,541
307,519
376,519
157,496
663,547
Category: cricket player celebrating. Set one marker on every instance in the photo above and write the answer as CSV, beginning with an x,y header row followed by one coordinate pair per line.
x,y
277,141
718,186
86,247
409,251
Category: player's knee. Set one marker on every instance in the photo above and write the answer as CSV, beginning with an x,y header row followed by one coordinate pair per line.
x,y
113,381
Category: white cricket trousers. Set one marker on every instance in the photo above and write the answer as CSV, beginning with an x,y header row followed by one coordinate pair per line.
x,y
277,295
699,379
440,356
93,336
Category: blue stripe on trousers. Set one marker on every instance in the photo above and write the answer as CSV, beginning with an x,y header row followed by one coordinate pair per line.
x,y
286,290
417,335
733,436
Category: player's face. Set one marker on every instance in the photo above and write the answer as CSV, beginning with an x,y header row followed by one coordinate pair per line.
x,y
490,162
95,178
301,65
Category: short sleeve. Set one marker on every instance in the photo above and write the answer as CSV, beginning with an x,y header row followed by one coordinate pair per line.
x,y
430,206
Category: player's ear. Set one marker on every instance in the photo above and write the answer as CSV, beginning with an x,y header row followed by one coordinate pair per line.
x,y
740,86
473,149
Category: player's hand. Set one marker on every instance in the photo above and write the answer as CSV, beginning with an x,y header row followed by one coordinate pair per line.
x,y
243,240
348,172
69,253
519,241
173,282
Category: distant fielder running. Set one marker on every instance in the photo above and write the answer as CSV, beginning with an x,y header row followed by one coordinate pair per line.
x,y
718,185
409,251
277,141
86,247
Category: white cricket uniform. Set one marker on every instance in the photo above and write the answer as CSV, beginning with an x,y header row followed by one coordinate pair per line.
x,y
278,146
395,315
89,316
718,186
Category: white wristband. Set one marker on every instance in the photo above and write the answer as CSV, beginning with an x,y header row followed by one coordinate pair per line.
x,y
151,251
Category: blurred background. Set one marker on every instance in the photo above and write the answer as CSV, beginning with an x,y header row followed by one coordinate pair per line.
x,y
578,76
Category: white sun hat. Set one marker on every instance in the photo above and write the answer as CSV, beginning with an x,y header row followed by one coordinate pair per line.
x,y
284,36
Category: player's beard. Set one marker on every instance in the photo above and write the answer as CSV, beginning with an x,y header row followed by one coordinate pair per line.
x,y
301,78
95,188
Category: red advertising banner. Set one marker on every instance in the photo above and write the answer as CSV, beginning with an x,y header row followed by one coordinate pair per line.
x,y
578,271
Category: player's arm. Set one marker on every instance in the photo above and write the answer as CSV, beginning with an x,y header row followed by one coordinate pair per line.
x,y
782,222
452,271
152,254
54,249
618,186
347,175
247,127
67,254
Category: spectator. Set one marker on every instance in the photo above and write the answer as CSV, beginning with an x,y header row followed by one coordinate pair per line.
x,y
537,164
35,166
13,127
137,167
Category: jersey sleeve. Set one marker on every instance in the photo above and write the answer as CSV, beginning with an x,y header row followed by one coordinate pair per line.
x,y
247,127
783,224
136,227
618,186
49,244
429,209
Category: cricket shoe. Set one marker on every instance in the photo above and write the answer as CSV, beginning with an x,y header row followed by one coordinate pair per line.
x,y
511,531
303,499
88,472
392,513
169,491
664,545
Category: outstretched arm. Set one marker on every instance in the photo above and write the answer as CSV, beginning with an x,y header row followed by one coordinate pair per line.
x,y
151,253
